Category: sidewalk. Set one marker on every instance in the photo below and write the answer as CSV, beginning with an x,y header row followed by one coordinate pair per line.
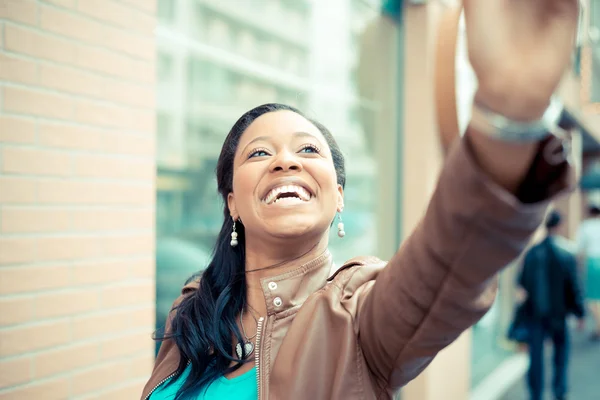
x,y
584,377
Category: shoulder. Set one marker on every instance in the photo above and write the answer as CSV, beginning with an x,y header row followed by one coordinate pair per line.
x,y
565,245
357,271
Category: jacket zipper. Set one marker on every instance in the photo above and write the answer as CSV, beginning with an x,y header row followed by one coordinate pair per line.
x,y
257,355
161,382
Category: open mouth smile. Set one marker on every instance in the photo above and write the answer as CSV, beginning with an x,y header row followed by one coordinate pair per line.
x,y
287,194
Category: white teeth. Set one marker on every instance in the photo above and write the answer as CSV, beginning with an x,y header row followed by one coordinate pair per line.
x,y
303,194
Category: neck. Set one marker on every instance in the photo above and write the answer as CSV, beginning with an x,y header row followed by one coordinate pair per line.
x,y
267,260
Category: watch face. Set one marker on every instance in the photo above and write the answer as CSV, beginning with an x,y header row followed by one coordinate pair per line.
x,y
466,81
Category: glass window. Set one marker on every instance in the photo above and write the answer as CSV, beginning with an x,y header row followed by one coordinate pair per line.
x,y
594,30
220,58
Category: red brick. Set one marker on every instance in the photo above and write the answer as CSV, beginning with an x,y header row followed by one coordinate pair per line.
x,y
144,71
131,44
25,101
110,11
63,3
15,310
55,389
35,161
128,294
66,359
100,272
100,114
71,80
24,11
134,144
17,250
17,190
130,390
16,130
141,366
15,69
100,324
32,279
125,345
110,220
71,137
69,24
69,248
94,193
143,318
105,61
29,220
100,166
35,44
144,5
112,374
60,304
14,341
130,94
53,191
143,121
143,268
15,371
129,245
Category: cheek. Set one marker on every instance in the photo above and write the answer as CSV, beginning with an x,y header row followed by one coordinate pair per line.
x,y
327,179
244,185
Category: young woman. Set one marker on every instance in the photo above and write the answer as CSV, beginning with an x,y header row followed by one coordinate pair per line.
x,y
267,319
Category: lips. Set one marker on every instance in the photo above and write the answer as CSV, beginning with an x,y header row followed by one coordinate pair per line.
x,y
287,194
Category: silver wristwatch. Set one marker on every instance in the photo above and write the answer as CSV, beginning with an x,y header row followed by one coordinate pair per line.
x,y
499,127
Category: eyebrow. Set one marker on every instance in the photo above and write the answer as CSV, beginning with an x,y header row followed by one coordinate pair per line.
x,y
266,138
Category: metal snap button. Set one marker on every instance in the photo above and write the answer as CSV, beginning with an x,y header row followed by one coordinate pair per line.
x,y
272,285
277,301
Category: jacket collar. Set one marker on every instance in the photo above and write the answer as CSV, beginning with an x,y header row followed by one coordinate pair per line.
x,y
292,288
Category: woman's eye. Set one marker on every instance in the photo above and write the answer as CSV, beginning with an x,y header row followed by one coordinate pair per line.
x,y
309,148
258,153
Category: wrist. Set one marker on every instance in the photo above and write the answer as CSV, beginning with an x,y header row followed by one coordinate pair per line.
x,y
512,104
497,126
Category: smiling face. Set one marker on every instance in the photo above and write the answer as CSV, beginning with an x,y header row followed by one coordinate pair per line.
x,y
284,180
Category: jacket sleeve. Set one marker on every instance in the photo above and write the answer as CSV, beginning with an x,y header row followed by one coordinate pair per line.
x,y
573,289
442,280
163,365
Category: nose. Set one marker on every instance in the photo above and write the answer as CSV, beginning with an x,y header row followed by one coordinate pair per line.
x,y
285,161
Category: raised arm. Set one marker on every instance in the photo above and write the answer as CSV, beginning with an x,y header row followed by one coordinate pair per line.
x,y
491,197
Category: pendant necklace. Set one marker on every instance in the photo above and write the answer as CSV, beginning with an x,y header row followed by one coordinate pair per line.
x,y
247,345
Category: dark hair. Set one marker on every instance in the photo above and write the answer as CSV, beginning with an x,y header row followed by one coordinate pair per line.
x,y
553,220
594,210
205,322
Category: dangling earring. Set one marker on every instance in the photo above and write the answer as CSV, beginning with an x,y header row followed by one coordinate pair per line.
x,y
234,236
341,232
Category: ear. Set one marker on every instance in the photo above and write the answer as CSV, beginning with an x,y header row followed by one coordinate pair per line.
x,y
340,202
232,207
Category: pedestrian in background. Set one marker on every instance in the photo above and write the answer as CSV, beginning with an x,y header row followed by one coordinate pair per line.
x,y
549,278
588,241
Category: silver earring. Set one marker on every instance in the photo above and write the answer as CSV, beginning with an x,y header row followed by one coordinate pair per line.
x,y
341,232
234,237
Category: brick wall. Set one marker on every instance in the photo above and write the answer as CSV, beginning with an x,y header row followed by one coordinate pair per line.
x,y
77,198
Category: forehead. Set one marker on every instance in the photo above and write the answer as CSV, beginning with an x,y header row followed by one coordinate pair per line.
x,y
279,125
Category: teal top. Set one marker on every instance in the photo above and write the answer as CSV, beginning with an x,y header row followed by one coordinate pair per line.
x,y
243,387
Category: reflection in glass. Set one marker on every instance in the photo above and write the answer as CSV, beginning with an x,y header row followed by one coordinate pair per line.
x,y
216,60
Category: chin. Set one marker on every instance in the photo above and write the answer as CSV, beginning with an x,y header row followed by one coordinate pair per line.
x,y
291,227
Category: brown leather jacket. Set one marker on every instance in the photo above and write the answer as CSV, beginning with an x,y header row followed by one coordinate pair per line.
x,y
371,327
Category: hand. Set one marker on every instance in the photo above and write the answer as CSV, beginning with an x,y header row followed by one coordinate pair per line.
x,y
581,324
519,50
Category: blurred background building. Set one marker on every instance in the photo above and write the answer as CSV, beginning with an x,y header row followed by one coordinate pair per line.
x,y
112,115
